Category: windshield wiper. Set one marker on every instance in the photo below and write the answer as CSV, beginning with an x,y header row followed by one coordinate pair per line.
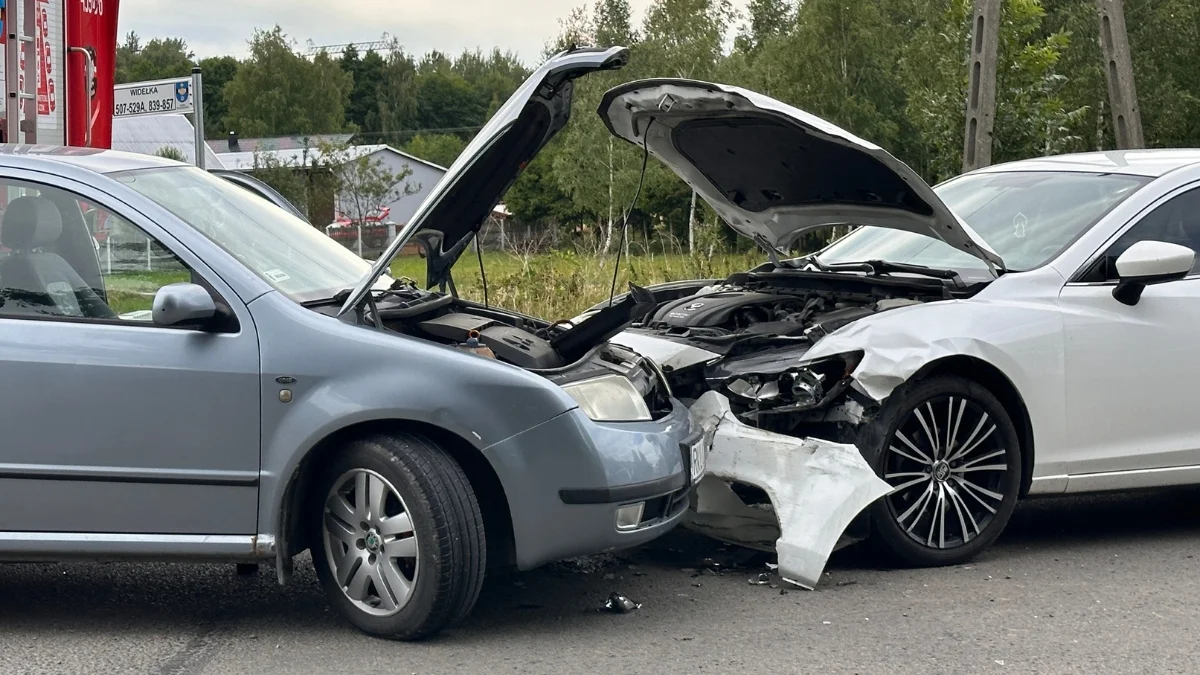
x,y
340,297
878,267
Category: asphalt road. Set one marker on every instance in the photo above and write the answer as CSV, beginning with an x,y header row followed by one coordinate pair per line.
x,y
1085,585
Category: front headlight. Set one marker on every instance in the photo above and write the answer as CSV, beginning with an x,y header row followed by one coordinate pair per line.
x,y
609,398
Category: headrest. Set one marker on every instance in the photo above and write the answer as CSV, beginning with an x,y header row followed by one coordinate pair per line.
x,y
30,222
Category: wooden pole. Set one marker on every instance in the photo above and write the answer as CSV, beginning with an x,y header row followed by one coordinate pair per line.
x,y
981,88
1118,66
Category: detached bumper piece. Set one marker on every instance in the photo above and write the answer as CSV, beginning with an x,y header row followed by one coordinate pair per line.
x,y
816,487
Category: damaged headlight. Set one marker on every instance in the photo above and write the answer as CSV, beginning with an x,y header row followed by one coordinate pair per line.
x,y
609,398
799,387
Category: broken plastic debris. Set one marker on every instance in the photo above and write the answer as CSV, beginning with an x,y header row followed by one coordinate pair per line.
x,y
619,604
760,579
816,488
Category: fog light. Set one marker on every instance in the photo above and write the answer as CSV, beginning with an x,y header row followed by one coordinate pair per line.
x,y
630,516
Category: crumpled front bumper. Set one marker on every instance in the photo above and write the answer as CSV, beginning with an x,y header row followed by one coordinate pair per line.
x,y
816,489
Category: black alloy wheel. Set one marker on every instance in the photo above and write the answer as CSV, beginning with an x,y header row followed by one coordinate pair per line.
x,y
951,453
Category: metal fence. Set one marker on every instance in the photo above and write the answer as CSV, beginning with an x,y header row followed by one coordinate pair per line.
x,y
135,253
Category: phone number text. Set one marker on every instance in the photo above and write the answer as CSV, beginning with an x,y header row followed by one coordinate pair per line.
x,y
143,107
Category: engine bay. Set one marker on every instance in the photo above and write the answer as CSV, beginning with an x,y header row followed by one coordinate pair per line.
x,y
756,306
755,327
560,352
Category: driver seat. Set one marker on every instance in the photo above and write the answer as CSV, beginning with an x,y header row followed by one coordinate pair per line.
x,y
34,281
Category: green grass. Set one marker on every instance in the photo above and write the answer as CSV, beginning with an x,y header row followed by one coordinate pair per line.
x,y
553,286
133,291
561,284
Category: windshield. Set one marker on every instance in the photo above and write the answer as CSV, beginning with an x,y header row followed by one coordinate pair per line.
x,y
1027,217
288,253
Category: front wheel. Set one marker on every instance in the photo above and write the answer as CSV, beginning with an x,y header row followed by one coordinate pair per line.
x,y
399,544
951,453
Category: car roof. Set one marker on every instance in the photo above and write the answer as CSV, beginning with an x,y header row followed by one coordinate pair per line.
x,y
1149,163
46,157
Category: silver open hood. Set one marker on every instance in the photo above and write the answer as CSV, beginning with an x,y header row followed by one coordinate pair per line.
x,y
774,172
473,185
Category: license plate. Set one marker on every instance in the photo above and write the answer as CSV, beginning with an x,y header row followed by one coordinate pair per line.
x,y
699,454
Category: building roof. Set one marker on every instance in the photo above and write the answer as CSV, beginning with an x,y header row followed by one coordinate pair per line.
x,y
280,142
244,161
147,135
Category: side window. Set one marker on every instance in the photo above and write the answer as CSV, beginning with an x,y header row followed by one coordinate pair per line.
x,y
64,257
1176,221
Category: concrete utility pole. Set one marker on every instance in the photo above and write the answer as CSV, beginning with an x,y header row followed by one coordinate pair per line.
x,y
981,89
1118,62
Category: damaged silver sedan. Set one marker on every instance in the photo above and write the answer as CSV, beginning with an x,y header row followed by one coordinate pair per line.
x,y
967,346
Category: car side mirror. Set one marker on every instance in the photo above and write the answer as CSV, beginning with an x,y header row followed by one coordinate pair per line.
x,y
1150,262
183,305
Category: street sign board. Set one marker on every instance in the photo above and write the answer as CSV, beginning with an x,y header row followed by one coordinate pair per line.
x,y
153,98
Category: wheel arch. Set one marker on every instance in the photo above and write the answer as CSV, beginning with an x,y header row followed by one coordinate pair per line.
x,y
493,500
994,380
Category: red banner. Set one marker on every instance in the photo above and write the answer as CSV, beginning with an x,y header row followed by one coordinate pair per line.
x,y
92,26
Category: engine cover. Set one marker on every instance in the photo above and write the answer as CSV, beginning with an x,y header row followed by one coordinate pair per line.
x,y
509,343
712,310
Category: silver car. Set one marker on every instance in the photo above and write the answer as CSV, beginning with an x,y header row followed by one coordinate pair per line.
x,y
188,372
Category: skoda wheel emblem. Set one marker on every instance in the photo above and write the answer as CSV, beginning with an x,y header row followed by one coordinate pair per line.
x,y
372,541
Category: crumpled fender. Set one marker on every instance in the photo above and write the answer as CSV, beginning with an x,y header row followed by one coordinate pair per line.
x,y
898,343
816,487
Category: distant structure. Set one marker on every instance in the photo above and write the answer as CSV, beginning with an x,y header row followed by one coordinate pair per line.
x,y
981,87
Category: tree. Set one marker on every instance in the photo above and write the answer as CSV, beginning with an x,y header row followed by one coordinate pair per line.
x,y
396,100
535,199
289,178
362,182
277,91
446,101
156,60
367,73
613,23
441,149
492,78
683,38
768,20
1165,39
171,152
217,72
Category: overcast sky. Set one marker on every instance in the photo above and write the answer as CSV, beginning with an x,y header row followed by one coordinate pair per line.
x,y
220,27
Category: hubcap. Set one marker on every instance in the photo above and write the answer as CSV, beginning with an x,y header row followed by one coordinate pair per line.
x,y
370,543
947,466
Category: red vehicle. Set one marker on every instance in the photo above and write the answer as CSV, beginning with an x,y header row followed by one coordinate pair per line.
x,y
374,228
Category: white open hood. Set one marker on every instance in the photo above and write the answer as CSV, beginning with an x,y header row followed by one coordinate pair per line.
x,y
774,172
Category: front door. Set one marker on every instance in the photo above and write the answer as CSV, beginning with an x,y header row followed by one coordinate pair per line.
x,y
108,423
1131,372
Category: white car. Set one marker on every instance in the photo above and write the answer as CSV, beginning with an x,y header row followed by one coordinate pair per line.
x,y
1028,328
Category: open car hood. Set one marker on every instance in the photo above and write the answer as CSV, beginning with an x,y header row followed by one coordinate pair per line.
x,y
459,204
774,172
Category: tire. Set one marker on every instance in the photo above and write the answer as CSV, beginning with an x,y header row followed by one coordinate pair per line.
x,y
978,459
424,542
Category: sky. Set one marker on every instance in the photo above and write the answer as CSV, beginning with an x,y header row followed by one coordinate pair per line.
x,y
218,27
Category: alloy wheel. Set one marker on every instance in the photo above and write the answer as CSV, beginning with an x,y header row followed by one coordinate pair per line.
x,y
946,463
370,543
